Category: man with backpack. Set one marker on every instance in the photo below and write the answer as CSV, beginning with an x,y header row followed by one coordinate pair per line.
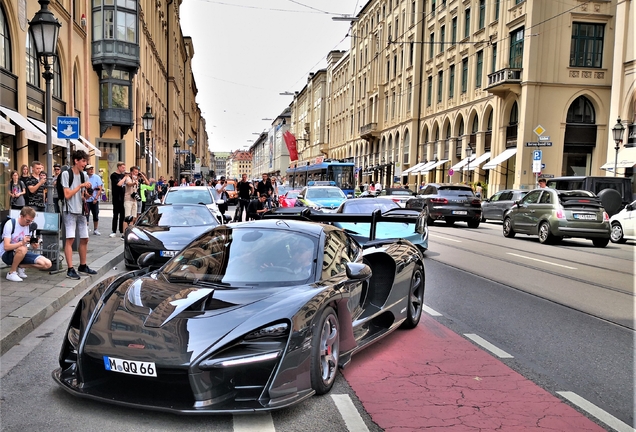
x,y
17,234
74,184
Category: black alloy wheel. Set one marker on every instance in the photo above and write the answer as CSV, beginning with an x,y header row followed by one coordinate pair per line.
x,y
416,299
325,352
545,236
507,228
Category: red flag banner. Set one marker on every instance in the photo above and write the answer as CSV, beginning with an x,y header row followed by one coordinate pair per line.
x,y
290,141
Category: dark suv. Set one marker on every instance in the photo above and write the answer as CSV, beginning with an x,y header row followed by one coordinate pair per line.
x,y
614,192
450,202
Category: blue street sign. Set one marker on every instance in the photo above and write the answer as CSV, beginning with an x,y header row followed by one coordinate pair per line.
x,y
68,127
536,155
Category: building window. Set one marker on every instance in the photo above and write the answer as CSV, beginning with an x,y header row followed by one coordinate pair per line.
x,y
482,14
467,23
57,79
581,111
587,45
115,20
451,82
464,75
442,38
412,13
409,96
393,99
454,31
5,42
429,92
440,85
494,58
480,68
115,90
32,65
432,7
497,4
516,49
431,46
388,70
411,53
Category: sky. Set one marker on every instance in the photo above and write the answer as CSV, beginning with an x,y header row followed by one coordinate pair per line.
x,y
247,52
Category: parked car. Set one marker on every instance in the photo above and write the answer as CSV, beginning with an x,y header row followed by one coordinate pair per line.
x,y
497,205
448,202
614,192
555,214
325,198
219,329
193,195
165,230
623,224
232,192
398,195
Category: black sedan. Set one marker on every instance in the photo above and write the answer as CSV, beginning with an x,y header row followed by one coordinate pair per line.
x,y
249,317
495,207
165,230
448,202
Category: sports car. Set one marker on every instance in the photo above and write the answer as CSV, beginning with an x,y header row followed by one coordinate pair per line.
x,y
288,199
249,317
165,230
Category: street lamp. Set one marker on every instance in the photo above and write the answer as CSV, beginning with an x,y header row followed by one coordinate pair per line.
x,y
45,28
147,120
469,153
177,152
617,130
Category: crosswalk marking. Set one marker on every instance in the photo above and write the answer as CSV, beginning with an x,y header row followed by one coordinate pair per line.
x,y
254,423
349,413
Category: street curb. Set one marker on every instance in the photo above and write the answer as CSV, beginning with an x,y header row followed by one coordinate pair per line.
x,y
55,304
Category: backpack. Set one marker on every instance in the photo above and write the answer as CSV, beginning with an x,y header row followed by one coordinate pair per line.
x,y
58,184
4,222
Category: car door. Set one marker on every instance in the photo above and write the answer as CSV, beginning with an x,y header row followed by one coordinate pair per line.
x,y
502,204
629,221
522,217
488,207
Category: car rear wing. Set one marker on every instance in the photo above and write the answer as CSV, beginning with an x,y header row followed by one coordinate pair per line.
x,y
396,215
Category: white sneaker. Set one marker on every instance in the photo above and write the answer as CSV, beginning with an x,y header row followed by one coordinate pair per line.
x,y
21,273
13,277
113,235
96,232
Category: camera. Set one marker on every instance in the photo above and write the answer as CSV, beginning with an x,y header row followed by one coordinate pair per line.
x,y
135,196
90,191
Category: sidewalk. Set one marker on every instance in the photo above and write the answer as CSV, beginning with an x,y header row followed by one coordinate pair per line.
x,y
25,305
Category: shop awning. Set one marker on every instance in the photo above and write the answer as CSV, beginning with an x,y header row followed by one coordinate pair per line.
x,y
478,161
499,159
6,127
435,165
414,167
54,139
79,146
626,159
462,163
30,131
88,144
157,161
423,168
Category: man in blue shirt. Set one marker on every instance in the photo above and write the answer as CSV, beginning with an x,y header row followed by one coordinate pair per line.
x,y
92,202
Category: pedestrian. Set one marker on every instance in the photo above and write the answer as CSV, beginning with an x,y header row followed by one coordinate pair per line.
x,y
131,193
171,182
184,182
378,187
35,187
17,189
542,183
478,189
257,207
117,195
92,202
219,195
17,235
245,191
56,199
73,215
24,175
147,192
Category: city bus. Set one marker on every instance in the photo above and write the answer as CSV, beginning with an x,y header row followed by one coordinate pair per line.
x,y
337,171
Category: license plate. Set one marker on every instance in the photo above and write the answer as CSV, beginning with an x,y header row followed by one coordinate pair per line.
x,y
585,216
168,253
460,212
130,367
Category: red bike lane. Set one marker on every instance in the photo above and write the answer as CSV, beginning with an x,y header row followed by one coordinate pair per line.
x,y
430,378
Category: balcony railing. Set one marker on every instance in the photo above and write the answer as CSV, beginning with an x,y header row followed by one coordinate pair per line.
x,y
369,130
504,76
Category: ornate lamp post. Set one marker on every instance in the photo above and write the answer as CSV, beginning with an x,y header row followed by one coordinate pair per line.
x,y
617,130
147,120
177,152
44,29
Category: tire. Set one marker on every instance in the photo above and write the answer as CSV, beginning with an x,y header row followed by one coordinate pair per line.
x,y
415,299
617,235
612,201
473,223
483,219
545,236
325,352
507,228
600,243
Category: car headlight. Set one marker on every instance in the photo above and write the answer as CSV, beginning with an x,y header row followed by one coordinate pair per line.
x,y
273,331
137,235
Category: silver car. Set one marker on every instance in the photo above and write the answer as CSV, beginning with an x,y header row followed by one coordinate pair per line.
x,y
495,207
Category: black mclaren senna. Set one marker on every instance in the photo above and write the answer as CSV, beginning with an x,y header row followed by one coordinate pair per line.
x,y
248,317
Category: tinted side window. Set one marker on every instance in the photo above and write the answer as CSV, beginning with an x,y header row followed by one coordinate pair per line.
x,y
336,256
532,197
546,197
506,196
430,190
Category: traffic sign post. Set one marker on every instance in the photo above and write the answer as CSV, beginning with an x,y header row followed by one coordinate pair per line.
x,y
536,165
68,129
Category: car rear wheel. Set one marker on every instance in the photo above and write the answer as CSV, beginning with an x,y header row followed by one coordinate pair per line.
x,y
416,299
545,236
473,223
600,242
507,228
617,235
325,352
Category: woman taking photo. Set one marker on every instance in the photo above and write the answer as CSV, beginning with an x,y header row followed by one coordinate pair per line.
x,y
17,189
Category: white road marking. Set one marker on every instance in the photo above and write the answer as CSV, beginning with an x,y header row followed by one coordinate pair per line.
x,y
430,311
597,412
487,345
253,423
445,238
349,413
541,261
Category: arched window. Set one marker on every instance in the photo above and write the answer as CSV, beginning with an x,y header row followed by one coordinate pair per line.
x,y
511,129
475,125
514,114
461,127
32,65
581,111
405,147
5,42
57,79
580,138
488,136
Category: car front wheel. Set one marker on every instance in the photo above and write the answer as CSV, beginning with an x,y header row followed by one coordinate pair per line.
x,y
325,352
507,228
617,235
416,299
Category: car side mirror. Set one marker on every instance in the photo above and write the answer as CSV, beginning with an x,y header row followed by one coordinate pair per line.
x,y
358,271
146,259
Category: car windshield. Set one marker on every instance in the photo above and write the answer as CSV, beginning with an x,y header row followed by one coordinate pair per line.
x,y
325,193
366,206
188,196
229,187
399,192
177,215
244,256
292,194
